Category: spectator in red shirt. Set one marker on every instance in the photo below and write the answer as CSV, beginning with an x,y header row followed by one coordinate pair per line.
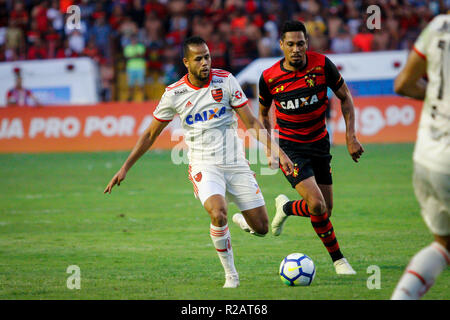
x,y
156,7
92,51
218,50
242,50
19,15
39,13
116,17
52,37
33,33
19,96
63,50
37,50
362,41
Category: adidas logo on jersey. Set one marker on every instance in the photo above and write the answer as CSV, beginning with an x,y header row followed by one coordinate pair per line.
x,y
188,105
299,102
205,115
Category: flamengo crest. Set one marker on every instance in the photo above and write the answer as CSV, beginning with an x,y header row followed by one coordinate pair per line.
x,y
217,94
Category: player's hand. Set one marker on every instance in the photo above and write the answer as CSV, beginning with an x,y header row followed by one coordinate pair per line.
x,y
117,179
355,149
273,161
286,164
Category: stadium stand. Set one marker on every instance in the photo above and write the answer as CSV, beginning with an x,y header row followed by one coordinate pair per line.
x,y
237,31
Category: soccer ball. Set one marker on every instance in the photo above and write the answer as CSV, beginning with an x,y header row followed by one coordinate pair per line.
x,y
297,269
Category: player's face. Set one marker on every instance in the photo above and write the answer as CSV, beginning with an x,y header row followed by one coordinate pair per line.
x,y
294,47
198,61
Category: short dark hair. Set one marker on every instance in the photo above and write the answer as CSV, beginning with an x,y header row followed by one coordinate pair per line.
x,y
290,26
195,40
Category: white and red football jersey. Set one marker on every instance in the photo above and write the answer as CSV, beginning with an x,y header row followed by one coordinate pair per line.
x,y
432,148
207,117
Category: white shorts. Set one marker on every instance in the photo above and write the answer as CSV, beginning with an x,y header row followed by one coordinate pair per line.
x,y
236,184
432,190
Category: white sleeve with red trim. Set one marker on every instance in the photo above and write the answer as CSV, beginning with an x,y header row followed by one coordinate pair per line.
x,y
238,98
422,42
165,111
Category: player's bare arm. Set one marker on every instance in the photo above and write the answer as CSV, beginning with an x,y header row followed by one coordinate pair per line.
x,y
355,149
144,143
408,82
272,148
264,117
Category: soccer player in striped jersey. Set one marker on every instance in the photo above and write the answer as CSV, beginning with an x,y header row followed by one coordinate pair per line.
x,y
207,102
430,56
297,84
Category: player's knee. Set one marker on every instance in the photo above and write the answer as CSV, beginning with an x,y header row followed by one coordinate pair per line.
x,y
218,216
262,228
317,207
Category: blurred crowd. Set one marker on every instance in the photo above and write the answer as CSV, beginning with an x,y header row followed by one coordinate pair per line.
x,y
237,31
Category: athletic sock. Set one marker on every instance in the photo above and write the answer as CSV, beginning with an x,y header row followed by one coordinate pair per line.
x,y
221,239
421,272
321,224
324,229
296,208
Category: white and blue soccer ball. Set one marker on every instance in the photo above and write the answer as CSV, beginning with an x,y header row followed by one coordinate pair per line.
x,y
297,269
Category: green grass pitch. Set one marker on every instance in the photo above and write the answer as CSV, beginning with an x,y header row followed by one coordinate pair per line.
x,y
150,238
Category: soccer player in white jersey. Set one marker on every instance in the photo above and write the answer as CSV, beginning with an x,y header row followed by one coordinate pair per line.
x,y
206,101
430,56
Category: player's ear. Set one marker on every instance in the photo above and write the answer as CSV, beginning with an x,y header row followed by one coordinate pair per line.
x,y
185,62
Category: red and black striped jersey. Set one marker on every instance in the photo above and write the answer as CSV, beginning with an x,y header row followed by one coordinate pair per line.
x,y
300,97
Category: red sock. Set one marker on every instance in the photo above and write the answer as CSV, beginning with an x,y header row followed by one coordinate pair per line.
x,y
296,208
324,229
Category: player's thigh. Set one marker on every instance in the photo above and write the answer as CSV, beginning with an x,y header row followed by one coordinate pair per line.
x,y
304,181
243,189
302,169
432,190
207,181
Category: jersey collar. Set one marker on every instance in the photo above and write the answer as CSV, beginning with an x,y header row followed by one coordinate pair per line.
x,y
286,70
186,80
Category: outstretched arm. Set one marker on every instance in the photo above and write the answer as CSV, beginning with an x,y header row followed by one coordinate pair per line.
x,y
260,133
355,148
144,143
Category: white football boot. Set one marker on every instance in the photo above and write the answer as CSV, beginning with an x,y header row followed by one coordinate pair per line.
x,y
280,216
231,281
239,219
343,267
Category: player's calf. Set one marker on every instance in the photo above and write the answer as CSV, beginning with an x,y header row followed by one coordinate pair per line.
x,y
257,220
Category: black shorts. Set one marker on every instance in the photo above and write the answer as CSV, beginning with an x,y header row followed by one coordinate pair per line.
x,y
310,159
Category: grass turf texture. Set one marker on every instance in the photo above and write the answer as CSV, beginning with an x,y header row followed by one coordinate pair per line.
x,y
150,238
